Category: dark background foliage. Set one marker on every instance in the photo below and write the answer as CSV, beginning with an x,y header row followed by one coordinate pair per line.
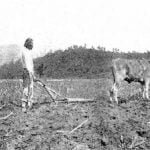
x,y
74,62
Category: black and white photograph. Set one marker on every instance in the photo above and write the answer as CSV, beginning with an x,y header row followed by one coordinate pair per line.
x,y
75,75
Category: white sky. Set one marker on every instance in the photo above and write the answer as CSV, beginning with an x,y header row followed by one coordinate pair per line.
x,y
53,24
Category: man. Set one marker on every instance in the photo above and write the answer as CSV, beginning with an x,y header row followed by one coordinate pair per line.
x,y
28,74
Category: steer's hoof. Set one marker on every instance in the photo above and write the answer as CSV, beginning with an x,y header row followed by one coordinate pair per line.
x,y
24,109
30,105
147,99
24,105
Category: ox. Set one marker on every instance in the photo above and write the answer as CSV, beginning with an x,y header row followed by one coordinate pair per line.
x,y
135,70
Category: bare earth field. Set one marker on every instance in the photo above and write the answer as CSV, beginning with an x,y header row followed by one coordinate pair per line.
x,y
96,125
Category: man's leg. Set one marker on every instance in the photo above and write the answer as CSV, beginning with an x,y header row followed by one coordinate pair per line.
x,y
25,89
24,99
30,91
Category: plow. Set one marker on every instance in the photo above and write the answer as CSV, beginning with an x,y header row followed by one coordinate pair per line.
x,y
57,97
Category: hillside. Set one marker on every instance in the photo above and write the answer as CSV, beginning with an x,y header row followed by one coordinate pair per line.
x,y
74,62
80,62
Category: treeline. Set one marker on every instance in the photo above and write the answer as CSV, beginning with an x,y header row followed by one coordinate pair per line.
x,y
74,62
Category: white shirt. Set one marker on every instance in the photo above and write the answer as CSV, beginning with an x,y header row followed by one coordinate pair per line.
x,y
27,60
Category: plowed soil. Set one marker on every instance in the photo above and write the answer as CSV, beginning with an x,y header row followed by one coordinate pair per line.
x,y
98,125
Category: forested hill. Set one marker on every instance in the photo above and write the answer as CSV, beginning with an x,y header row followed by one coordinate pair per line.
x,y
74,62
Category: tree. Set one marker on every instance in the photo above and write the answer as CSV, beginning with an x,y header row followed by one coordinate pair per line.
x,y
40,70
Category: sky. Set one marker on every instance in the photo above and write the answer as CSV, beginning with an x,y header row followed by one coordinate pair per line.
x,y
58,24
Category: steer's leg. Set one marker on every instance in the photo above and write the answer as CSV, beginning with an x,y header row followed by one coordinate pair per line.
x,y
143,90
144,85
115,91
147,81
116,83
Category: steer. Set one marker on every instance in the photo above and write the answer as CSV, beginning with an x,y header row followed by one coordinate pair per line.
x,y
130,70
